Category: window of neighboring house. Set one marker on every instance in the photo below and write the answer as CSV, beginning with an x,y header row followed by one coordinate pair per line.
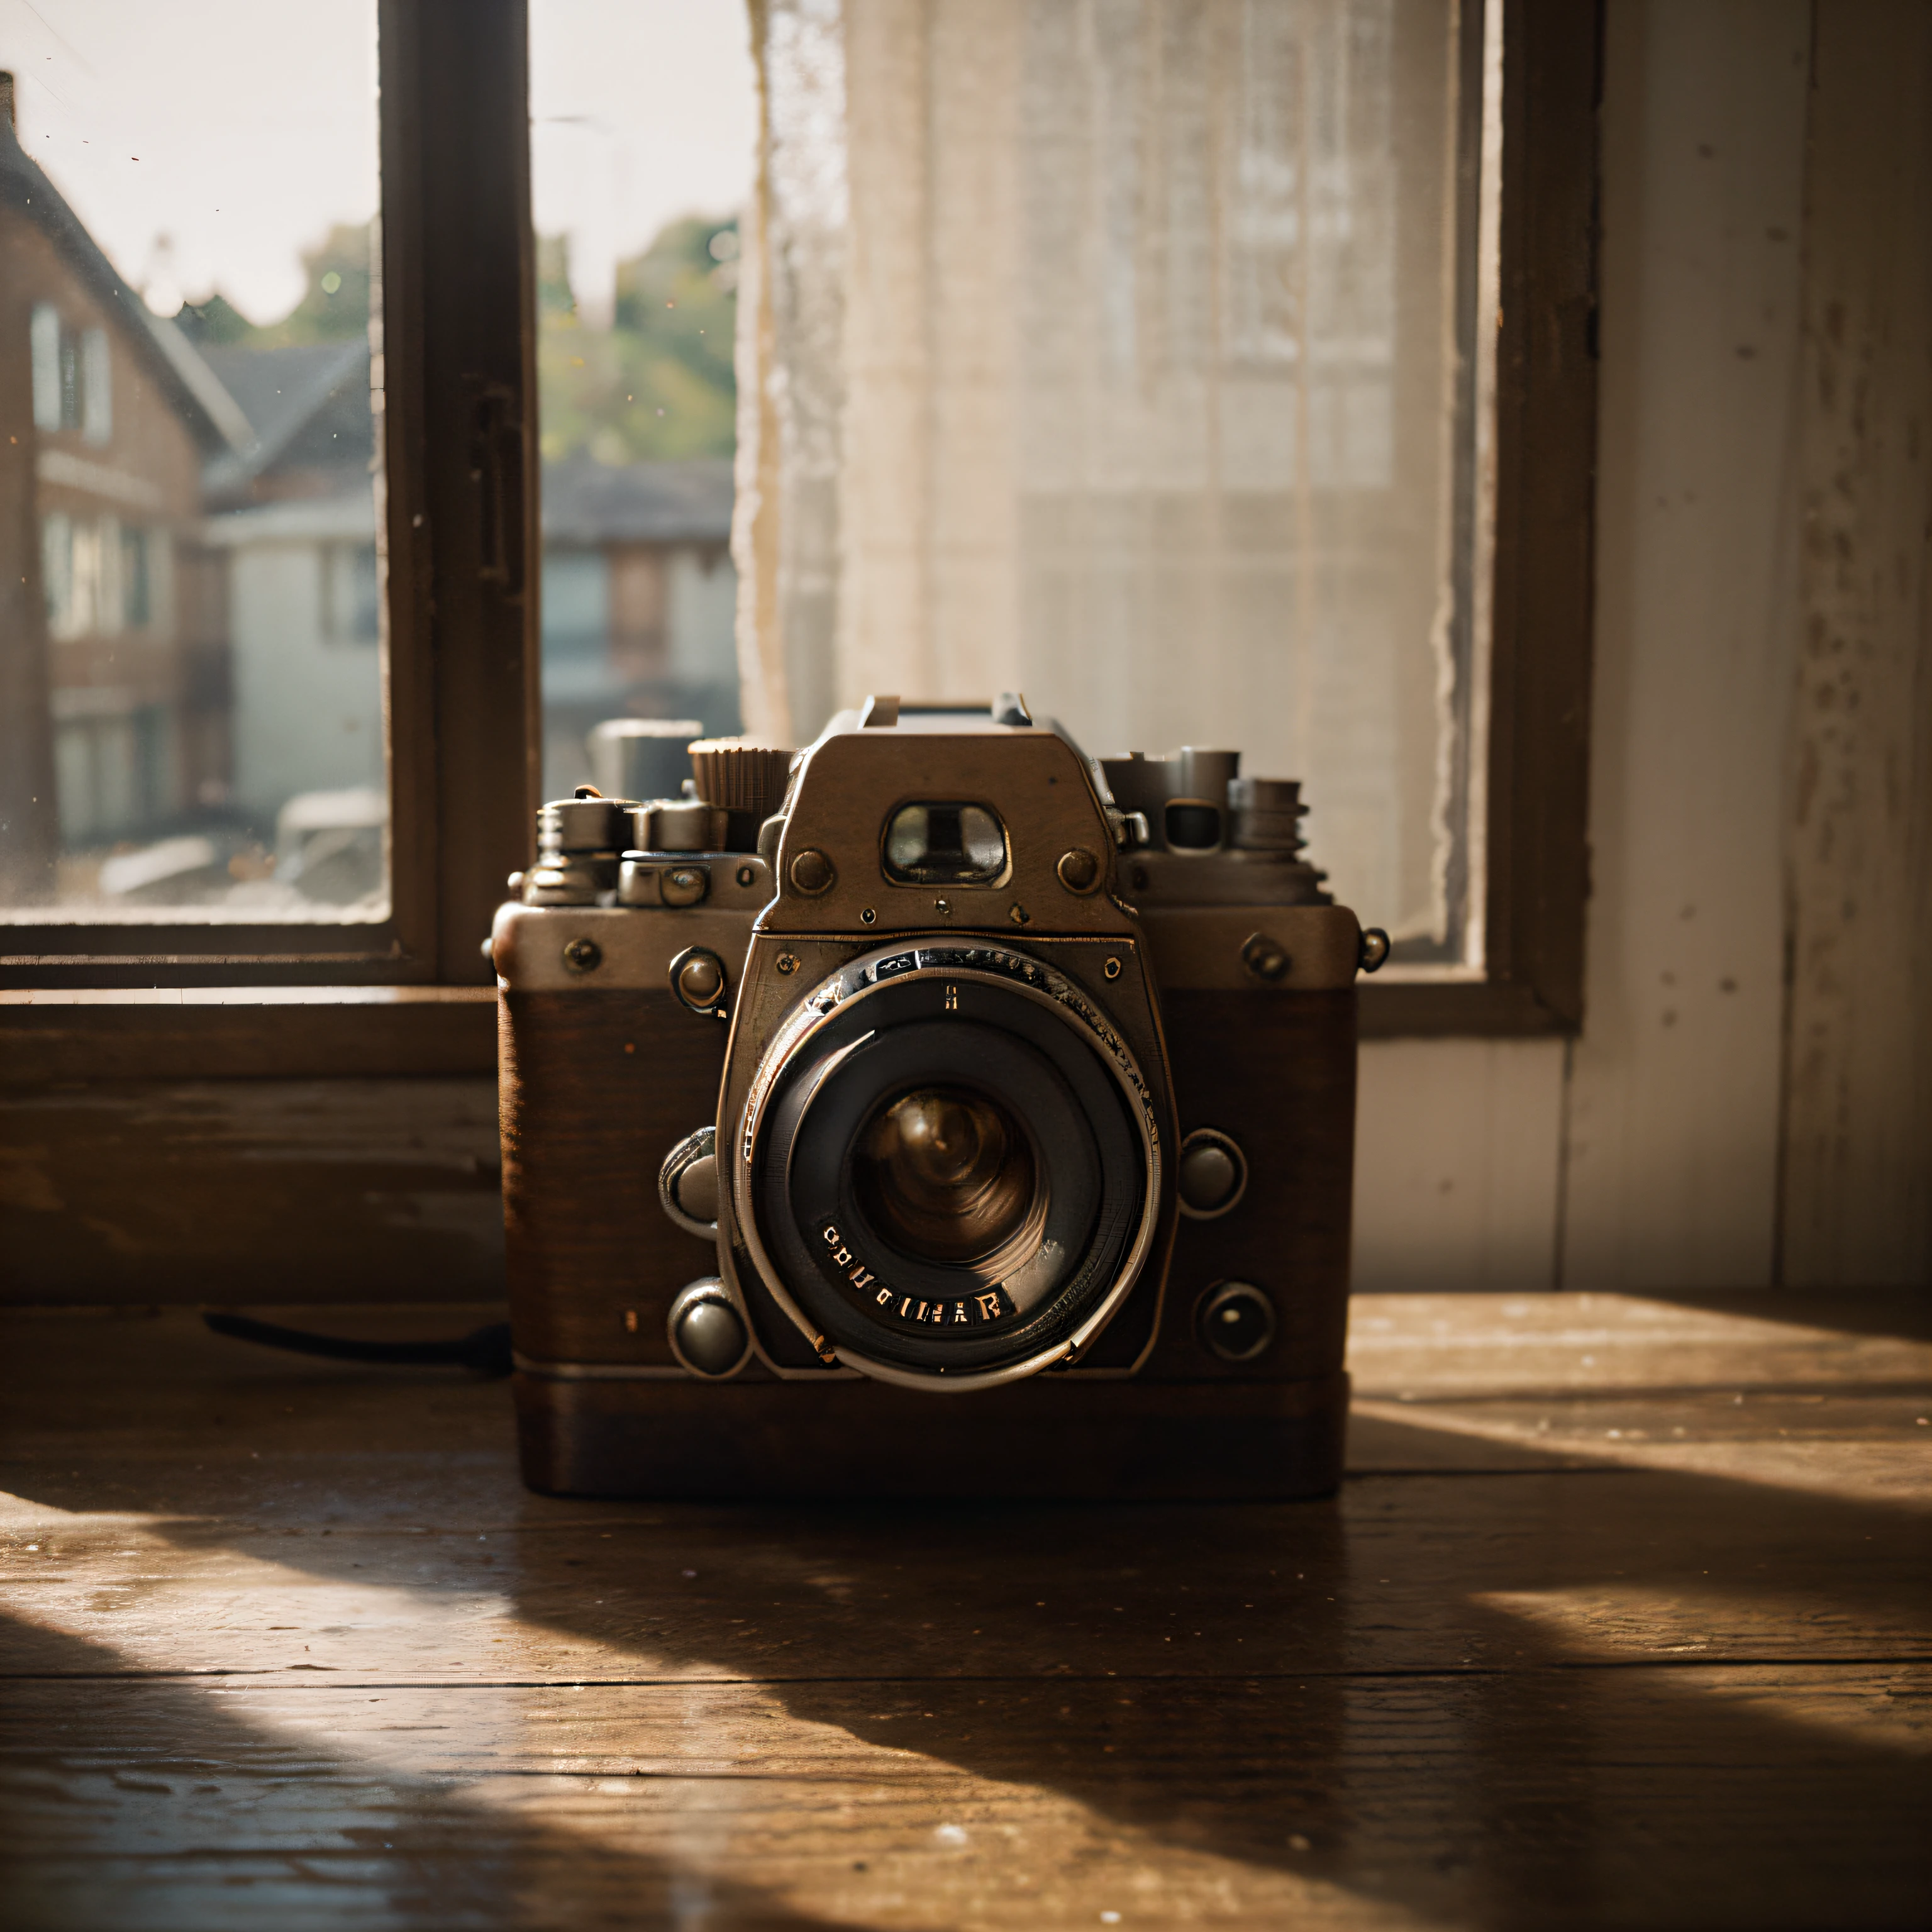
x,y
72,376
45,340
98,577
97,393
57,575
136,596
351,594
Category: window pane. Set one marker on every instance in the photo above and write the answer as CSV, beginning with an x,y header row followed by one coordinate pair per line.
x,y
643,130
191,664
1125,353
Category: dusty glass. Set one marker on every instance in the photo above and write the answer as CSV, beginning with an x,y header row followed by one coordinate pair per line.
x,y
191,594
643,116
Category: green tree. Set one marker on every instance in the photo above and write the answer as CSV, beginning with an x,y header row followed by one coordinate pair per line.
x,y
215,323
658,383
334,304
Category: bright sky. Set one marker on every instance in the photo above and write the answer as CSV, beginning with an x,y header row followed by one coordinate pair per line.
x,y
205,143
641,110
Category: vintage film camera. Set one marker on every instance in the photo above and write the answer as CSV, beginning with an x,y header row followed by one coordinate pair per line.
x,y
936,1112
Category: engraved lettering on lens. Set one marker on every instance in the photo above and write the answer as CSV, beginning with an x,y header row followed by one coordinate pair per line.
x,y
952,999
843,1264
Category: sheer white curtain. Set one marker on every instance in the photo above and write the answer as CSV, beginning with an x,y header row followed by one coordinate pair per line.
x,y
1108,350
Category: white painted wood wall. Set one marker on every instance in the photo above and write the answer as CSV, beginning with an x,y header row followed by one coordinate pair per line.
x,y
1750,1101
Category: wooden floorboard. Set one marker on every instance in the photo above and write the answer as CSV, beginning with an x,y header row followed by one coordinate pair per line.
x,y
1621,1619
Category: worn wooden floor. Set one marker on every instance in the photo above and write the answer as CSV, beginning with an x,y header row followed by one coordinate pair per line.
x,y
1621,1619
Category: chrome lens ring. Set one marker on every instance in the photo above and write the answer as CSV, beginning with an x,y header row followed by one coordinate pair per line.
x,y
854,992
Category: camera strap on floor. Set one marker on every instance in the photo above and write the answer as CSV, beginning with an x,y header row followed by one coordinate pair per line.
x,y
484,1352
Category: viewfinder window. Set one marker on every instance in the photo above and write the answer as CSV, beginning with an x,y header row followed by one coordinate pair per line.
x,y
945,845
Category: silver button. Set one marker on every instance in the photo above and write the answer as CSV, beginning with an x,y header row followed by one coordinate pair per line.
x,y
696,1189
707,1334
688,1183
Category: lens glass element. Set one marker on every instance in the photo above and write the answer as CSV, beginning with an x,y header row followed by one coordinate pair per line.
x,y
945,1175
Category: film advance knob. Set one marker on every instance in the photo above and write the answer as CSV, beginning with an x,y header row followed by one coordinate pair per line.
x,y
741,775
707,1334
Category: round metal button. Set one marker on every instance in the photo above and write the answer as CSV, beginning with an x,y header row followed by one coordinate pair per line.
x,y
1212,1174
707,1334
688,1183
1079,870
686,885
812,872
1235,1321
1264,958
698,1189
698,978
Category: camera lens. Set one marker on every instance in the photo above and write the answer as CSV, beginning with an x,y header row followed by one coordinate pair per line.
x,y
944,1173
949,1165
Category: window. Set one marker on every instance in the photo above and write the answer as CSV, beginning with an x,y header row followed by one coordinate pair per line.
x,y
351,600
643,121
1147,359
1192,324
276,439
1145,341
136,598
72,377
237,306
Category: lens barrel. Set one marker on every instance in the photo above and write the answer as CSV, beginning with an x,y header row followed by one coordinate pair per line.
x,y
949,1172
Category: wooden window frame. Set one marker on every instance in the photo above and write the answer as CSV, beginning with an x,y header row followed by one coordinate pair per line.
x,y
413,996
1536,823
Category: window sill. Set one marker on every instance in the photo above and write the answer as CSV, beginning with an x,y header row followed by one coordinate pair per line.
x,y
59,1037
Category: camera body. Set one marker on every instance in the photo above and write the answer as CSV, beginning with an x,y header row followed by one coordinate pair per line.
x,y
936,1112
